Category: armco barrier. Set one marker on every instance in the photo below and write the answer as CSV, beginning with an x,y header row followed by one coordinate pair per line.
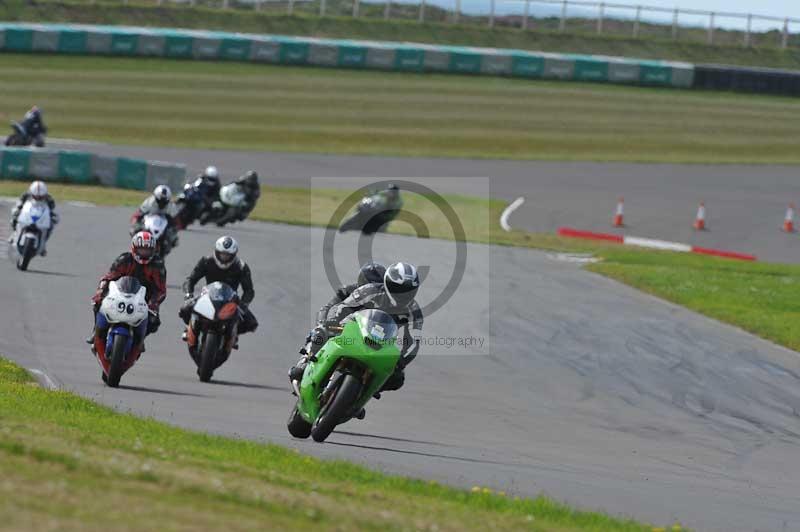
x,y
749,79
86,168
277,49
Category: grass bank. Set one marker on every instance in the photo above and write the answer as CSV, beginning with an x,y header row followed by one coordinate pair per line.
x,y
655,43
761,298
245,106
69,464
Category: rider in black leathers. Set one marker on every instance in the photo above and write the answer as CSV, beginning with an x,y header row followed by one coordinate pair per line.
x,y
371,272
226,267
252,190
33,127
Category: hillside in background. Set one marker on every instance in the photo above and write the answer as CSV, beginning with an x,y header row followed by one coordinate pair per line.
x,y
654,43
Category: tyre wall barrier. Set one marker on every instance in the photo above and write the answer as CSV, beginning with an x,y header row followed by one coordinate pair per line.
x,y
87,169
749,79
278,49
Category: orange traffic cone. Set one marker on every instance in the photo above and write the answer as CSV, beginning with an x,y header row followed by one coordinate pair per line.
x,y
700,219
618,216
788,221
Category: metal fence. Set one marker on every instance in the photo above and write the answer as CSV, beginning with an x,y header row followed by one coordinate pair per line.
x,y
583,16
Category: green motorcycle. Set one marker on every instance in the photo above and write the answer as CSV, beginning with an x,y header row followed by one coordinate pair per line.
x,y
344,374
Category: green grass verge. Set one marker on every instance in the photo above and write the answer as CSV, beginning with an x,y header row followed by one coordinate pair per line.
x,y
761,298
656,42
248,106
67,463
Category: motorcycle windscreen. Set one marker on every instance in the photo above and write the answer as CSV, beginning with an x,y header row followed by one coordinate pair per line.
x,y
377,326
220,292
128,285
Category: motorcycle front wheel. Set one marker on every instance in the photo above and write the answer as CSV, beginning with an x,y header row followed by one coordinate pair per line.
x,y
337,408
208,353
117,360
27,254
298,427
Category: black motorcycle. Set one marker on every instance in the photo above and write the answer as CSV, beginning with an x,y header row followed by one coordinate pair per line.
x,y
234,205
371,215
20,137
213,328
191,203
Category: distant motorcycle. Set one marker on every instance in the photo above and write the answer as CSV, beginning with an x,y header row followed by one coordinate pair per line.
x,y
230,207
158,226
190,204
213,328
370,216
124,315
20,137
33,224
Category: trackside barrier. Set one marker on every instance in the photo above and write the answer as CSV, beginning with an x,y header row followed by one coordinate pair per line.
x,y
286,50
87,168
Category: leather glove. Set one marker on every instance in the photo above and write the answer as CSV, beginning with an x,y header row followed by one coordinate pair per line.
x,y
153,323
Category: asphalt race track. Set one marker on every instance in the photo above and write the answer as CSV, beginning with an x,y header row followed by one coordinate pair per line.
x,y
595,393
745,204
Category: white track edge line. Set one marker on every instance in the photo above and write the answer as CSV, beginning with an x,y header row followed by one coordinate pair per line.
x,y
49,383
507,212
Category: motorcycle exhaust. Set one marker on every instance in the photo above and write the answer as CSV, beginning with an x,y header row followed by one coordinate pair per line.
x,y
296,388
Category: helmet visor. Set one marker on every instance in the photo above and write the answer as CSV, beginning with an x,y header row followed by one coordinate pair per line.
x,y
224,257
403,294
145,253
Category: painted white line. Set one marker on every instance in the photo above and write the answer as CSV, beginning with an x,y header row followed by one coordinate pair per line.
x,y
80,204
506,213
656,244
577,258
73,142
49,383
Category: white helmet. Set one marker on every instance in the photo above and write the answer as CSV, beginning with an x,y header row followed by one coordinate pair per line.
x,y
211,172
225,251
163,195
38,190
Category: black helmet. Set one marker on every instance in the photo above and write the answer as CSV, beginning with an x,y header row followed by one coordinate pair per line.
x,y
401,282
250,179
371,272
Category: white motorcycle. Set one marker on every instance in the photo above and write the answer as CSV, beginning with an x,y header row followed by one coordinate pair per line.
x,y
124,315
158,226
231,203
33,223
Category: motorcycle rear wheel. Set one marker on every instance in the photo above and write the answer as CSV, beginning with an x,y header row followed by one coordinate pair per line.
x,y
337,409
